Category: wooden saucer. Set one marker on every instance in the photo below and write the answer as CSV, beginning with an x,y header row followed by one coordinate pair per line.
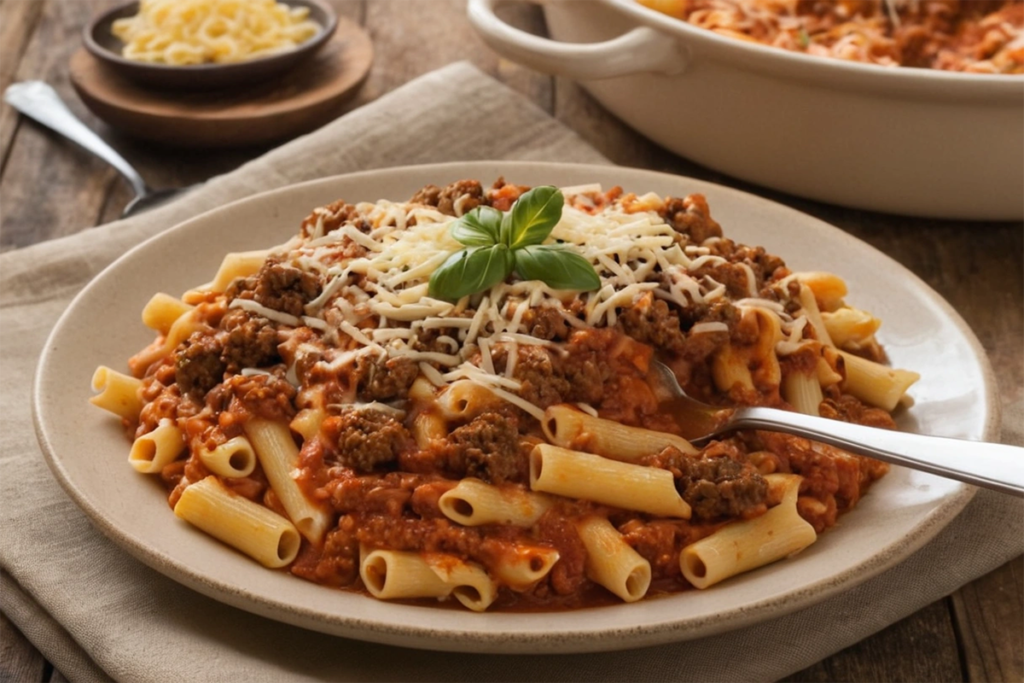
x,y
291,104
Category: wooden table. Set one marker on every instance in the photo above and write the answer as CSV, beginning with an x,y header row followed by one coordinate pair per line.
x,y
52,188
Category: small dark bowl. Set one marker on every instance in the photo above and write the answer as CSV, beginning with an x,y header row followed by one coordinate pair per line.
x,y
106,47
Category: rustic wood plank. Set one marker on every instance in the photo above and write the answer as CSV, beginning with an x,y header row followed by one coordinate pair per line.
x,y
989,618
414,37
922,647
52,187
18,20
20,662
165,168
72,171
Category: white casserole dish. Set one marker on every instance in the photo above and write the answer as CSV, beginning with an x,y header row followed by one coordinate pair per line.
x,y
901,140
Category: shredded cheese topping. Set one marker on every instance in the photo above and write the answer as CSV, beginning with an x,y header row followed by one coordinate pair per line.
x,y
380,300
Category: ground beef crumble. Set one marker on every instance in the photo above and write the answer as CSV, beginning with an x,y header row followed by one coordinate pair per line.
x,y
848,409
337,562
542,382
265,396
385,380
334,215
363,439
251,341
456,199
546,323
578,375
717,483
659,541
568,575
691,217
650,321
198,364
285,288
427,195
488,448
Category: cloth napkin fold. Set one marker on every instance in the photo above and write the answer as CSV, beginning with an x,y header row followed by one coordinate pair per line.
x,y
98,614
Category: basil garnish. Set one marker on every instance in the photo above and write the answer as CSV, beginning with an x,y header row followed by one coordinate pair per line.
x,y
471,270
533,217
557,267
481,227
499,244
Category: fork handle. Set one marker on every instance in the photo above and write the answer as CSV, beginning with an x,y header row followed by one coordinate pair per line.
x,y
39,101
992,465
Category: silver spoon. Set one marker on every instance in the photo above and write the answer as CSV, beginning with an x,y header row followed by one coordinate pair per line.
x,y
39,101
992,465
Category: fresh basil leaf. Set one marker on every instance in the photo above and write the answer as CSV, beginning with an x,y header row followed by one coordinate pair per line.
x,y
471,270
480,227
533,217
557,267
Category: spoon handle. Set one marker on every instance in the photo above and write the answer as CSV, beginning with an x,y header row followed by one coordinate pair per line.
x,y
992,465
39,101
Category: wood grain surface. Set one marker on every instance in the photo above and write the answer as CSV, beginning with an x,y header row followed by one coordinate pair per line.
x,y
52,188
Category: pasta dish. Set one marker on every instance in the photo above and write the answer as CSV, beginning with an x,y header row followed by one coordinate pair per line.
x,y
451,398
979,36
190,32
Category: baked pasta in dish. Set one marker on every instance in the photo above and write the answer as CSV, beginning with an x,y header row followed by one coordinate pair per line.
x,y
345,406
194,32
979,36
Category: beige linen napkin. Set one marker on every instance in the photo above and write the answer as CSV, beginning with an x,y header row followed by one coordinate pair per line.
x,y
96,613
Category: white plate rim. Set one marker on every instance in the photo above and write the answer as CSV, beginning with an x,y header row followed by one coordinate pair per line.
x,y
528,639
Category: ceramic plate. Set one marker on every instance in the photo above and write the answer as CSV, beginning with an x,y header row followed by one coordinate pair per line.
x,y
87,450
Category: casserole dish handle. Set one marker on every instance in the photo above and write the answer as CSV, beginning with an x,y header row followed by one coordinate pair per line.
x,y
642,49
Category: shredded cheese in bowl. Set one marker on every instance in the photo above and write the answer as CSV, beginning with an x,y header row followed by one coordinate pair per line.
x,y
192,32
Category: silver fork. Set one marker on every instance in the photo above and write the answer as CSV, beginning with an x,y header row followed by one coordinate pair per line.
x,y
40,102
992,465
